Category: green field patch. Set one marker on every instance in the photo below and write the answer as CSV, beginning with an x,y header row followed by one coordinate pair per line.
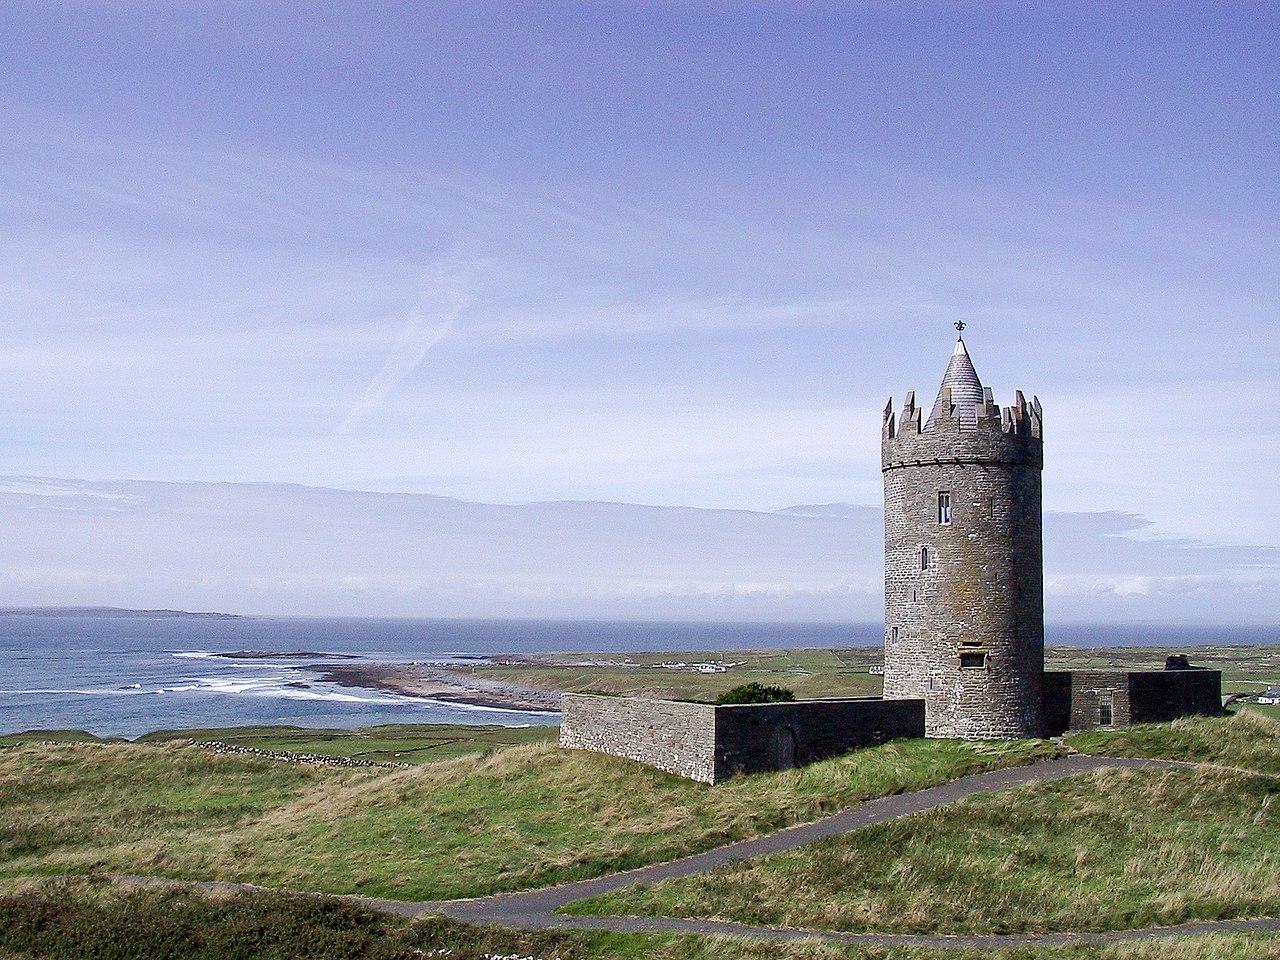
x,y
810,673
1117,849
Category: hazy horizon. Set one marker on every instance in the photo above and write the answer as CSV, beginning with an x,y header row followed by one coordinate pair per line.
x,y
289,549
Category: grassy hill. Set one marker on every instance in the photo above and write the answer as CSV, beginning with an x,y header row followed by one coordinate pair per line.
x,y
505,819
1112,850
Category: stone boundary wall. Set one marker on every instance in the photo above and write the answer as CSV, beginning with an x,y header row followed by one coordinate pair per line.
x,y
709,743
288,756
671,735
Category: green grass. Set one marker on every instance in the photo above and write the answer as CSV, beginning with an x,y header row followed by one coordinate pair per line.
x,y
86,922
512,818
1117,849
1248,740
397,743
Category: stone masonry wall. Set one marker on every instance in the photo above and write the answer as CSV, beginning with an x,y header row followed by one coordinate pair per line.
x,y
982,596
1072,699
672,736
711,743
1077,699
1158,696
751,738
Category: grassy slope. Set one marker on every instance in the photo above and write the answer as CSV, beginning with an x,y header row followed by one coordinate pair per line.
x,y
401,742
1248,740
1112,850
81,923
518,817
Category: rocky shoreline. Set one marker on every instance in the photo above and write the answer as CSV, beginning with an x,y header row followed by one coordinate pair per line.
x,y
439,683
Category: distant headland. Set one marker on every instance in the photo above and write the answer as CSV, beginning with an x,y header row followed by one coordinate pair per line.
x,y
121,612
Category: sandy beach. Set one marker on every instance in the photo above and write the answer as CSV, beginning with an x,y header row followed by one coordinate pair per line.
x,y
438,683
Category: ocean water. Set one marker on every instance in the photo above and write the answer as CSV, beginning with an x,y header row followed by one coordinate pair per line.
x,y
128,675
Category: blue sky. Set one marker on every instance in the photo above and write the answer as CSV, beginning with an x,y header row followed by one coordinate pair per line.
x,y
662,253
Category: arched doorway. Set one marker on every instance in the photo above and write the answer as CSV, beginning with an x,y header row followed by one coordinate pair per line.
x,y
784,748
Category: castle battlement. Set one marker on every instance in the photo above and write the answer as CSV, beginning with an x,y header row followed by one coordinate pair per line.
x,y
983,433
1020,418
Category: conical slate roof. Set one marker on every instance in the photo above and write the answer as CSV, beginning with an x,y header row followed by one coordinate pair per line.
x,y
966,390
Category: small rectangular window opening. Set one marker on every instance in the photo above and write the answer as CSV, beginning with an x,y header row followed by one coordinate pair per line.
x,y
894,634
1104,711
973,661
944,508
926,559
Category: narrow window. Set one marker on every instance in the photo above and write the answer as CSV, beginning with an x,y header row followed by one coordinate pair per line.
x,y
925,559
944,508
973,661
1104,709
894,633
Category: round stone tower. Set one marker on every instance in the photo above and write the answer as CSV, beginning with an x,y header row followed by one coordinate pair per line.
x,y
963,579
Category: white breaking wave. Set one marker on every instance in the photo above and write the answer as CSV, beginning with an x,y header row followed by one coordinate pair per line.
x,y
277,687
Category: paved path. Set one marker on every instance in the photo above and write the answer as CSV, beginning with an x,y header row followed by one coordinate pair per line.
x,y
536,909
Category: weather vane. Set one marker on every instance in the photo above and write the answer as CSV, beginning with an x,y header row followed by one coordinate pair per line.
x,y
960,325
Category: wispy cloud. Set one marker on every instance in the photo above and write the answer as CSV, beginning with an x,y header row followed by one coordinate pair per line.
x,y
445,296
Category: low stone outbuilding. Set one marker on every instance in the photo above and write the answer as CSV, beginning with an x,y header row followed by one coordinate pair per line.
x,y
710,742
